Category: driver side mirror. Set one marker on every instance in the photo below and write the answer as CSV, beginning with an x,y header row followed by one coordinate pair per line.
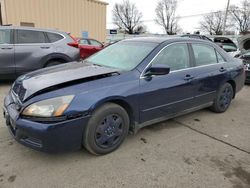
x,y
157,70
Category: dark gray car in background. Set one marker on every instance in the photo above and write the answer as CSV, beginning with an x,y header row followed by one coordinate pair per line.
x,y
24,49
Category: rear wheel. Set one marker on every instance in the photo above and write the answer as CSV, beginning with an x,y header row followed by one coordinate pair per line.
x,y
53,63
223,99
106,130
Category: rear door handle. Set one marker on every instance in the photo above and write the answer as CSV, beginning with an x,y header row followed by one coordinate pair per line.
x,y
45,47
188,77
222,69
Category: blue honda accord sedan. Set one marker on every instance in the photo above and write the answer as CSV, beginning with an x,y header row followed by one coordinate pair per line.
x,y
126,86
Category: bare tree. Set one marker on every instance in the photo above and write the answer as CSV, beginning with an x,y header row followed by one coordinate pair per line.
x,y
213,23
240,16
165,16
127,17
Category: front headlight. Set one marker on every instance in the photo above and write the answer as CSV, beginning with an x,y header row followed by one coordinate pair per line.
x,y
54,107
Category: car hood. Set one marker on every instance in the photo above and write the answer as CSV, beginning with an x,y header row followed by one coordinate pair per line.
x,y
38,81
224,40
244,42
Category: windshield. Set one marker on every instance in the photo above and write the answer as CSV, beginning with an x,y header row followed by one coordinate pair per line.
x,y
123,55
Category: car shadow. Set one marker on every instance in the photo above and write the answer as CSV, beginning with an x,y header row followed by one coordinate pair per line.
x,y
6,82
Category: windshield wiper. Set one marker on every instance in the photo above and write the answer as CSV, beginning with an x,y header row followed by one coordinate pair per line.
x,y
89,62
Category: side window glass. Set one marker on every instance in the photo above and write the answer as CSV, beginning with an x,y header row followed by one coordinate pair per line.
x,y
220,58
53,37
95,43
204,54
84,42
175,56
5,36
27,36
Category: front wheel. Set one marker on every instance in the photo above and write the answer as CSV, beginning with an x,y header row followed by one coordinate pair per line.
x,y
223,99
106,130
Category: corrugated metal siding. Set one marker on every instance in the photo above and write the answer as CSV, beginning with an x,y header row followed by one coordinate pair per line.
x,y
72,16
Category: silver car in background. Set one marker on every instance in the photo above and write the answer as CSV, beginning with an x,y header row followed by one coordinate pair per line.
x,y
24,49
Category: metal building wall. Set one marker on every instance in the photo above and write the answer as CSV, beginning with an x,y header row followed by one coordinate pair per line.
x,y
73,16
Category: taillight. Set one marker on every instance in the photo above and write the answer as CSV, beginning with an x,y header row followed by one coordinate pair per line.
x,y
75,43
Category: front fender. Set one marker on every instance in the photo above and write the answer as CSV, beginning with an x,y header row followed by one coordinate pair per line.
x,y
107,100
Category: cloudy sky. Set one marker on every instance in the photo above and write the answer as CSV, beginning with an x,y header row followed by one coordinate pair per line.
x,y
188,9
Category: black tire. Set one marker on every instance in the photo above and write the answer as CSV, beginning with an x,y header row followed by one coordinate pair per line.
x,y
223,98
53,63
106,129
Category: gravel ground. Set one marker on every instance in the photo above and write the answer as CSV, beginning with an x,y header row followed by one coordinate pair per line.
x,y
202,149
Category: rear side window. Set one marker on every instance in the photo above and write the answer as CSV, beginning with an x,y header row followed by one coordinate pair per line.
x,y
53,37
28,36
84,42
5,36
204,54
95,43
175,56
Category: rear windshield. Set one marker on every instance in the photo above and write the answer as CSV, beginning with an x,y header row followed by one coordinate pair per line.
x,y
123,55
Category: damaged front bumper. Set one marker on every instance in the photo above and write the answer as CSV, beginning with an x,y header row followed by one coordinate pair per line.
x,y
47,137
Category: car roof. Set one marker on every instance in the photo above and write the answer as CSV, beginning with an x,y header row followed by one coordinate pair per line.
x,y
79,38
32,28
160,40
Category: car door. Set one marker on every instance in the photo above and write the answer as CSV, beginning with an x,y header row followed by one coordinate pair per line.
x,y
89,47
210,72
96,46
7,63
169,94
84,48
30,49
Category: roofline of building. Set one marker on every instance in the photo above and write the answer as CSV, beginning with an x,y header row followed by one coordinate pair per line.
x,y
98,1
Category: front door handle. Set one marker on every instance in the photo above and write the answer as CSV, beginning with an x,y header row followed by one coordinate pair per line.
x,y
222,69
188,77
6,48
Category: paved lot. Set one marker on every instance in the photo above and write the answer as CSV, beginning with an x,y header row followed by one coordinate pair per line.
x,y
201,149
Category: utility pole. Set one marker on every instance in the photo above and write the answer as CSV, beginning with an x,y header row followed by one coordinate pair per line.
x,y
225,18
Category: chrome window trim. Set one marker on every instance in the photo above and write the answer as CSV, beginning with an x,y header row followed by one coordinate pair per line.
x,y
45,33
195,42
149,64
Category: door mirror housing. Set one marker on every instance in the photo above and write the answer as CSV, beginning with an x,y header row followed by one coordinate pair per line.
x,y
157,70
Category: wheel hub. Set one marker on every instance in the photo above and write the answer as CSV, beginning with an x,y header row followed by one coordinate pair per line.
x,y
109,131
